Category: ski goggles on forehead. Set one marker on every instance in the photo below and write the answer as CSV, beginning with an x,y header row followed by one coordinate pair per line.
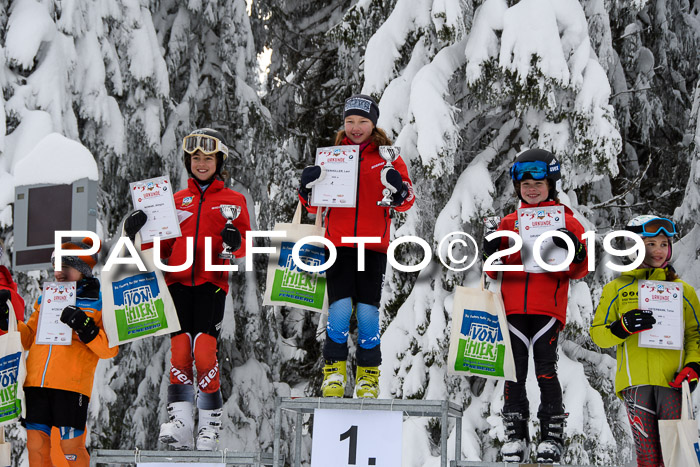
x,y
205,143
537,170
655,227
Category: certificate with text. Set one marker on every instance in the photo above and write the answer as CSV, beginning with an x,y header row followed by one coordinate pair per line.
x,y
55,297
665,300
533,222
339,187
155,197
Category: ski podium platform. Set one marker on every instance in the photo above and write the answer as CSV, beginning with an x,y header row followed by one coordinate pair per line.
x,y
134,457
524,464
444,410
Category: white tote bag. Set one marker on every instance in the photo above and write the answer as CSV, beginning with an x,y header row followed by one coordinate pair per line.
x,y
679,438
480,340
13,371
136,304
287,284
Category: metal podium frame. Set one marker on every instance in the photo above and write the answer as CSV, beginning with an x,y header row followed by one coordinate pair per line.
x,y
112,456
414,408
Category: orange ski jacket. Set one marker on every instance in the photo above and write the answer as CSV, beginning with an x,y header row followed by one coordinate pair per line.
x,y
67,367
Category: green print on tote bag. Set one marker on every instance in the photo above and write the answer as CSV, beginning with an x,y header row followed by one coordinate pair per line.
x,y
13,371
287,284
480,340
296,286
139,307
136,304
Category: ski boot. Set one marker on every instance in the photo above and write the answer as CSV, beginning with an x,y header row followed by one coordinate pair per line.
x,y
334,377
367,382
209,426
551,445
177,432
516,448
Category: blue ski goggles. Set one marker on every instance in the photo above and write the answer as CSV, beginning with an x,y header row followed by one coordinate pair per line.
x,y
537,170
654,227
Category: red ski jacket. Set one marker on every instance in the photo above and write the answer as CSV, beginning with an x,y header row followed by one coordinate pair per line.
x,y
6,282
538,293
366,219
199,218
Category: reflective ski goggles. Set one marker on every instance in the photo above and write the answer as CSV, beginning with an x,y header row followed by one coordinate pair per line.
x,y
537,170
654,227
205,143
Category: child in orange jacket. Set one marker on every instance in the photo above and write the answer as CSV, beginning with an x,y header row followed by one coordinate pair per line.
x,y
60,377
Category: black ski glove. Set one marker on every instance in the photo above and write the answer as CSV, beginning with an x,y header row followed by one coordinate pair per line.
x,y
393,178
309,175
632,322
490,247
134,222
579,247
80,322
4,309
231,236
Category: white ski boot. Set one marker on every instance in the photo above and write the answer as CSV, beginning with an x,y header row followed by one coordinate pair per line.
x,y
516,448
551,445
209,426
177,432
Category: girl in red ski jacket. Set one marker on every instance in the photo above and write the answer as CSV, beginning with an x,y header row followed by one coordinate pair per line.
x,y
8,294
199,294
347,286
535,306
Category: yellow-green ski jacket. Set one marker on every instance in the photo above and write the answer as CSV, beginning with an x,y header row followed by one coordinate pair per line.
x,y
641,365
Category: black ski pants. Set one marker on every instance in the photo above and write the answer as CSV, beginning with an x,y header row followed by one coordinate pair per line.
x,y
542,334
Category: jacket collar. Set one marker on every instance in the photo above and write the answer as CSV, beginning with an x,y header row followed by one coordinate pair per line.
x,y
547,203
193,186
88,288
652,274
367,144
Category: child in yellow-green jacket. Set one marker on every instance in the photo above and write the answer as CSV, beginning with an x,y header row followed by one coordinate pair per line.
x,y
648,379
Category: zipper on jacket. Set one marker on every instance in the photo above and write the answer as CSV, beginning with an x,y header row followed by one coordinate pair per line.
x,y
386,223
46,365
622,362
357,195
196,231
527,281
555,292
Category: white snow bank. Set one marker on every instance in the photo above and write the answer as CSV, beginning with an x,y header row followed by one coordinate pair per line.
x,y
58,160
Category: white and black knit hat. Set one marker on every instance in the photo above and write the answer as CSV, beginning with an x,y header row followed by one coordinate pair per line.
x,y
362,105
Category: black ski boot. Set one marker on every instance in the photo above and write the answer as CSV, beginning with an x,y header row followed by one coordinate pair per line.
x,y
516,448
551,445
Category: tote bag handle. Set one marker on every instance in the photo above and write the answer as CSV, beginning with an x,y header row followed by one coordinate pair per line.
x,y
297,215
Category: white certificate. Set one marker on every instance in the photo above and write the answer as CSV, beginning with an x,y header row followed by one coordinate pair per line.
x,y
533,222
665,299
155,197
56,296
339,186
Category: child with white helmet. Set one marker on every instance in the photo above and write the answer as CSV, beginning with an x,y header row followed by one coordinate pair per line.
x,y
648,379
199,292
